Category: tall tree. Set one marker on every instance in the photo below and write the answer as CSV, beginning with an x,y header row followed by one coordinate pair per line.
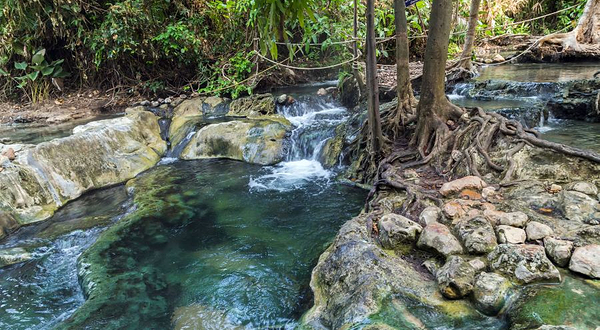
x,y
373,85
434,109
465,58
406,98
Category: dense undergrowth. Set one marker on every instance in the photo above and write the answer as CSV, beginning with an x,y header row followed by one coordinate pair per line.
x,y
164,46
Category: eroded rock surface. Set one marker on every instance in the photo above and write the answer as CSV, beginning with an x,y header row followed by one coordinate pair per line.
x,y
586,260
525,263
438,238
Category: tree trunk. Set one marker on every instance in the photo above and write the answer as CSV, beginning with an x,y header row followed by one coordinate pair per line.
x,y
404,88
404,111
373,85
584,40
465,58
356,71
434,109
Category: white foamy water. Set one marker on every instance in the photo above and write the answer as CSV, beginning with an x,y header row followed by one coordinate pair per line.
x,y
314,123
290,176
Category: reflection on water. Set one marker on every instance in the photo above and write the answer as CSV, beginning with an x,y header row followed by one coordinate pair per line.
x,y
540,72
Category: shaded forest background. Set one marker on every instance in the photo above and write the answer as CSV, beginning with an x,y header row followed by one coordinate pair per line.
x,y
157,47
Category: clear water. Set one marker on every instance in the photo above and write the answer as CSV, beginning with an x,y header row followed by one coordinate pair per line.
x,y
211,244
44,291
540,72
221,255
580,134
314,119
38,133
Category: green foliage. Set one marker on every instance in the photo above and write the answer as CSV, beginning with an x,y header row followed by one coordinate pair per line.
x,y
34,77
227,78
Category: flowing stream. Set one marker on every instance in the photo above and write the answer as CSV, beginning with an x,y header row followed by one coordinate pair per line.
x,y
228,244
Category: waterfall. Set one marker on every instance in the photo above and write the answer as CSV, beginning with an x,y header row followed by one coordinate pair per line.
x,y
314,119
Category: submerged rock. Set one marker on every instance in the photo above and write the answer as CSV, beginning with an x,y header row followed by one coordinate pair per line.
x,y
437,237
586,260
258,141
490,292
525,263
396,230
13,256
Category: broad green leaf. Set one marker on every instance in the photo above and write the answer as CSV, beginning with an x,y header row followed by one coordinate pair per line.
x,y
57,62
47,70
273,50
60,73
33,75
20,65
38,58
3,73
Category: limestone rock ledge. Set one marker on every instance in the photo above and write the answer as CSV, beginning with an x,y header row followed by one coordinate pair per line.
x,y
354,277
44,177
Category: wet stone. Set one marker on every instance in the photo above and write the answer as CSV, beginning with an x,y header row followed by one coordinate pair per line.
x,y
586,260
558,251
526,263
490,292
437,237
455,278
395,230
477,235
509,234
536,231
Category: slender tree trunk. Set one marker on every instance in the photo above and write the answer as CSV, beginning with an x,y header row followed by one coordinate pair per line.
x,y
404,88
355,68
404,111
465,58
434,109
373,85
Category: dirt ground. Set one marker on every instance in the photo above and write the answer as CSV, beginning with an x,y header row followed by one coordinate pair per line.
x,y
69,107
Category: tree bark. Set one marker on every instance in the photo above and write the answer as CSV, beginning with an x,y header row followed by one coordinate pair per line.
x,y
584,40
465,58
355,68
373,85
404,88
434,109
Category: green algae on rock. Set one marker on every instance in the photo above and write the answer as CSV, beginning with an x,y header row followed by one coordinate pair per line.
x,y
258,141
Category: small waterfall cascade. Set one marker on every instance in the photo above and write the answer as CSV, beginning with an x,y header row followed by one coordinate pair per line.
x,y
314,119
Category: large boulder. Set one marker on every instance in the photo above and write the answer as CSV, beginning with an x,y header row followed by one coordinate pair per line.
x,y
455,278
258,141
477,235
586,260
437,237
525,263
98,154
396,230
253,106
490,291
